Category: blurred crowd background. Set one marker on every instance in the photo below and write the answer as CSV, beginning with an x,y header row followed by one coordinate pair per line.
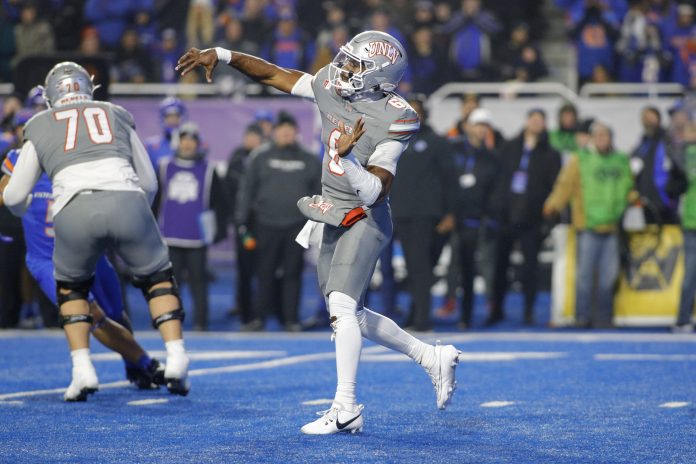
x,y
477,192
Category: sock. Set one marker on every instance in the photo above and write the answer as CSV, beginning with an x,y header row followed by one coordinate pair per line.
x,y
348,345
382,330
80,358
175,347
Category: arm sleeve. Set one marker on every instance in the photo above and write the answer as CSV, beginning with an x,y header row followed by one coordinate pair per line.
x,y
143,167
25,175
303,87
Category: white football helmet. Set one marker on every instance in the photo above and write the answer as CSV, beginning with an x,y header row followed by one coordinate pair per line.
x,y
369,62
67,79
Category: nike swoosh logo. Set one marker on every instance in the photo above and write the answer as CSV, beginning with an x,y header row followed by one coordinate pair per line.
x,y
340,426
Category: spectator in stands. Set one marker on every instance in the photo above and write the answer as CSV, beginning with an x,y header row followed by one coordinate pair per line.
x,y
473,33
681,38
477,170
64,16
679,122
469,102
111,18
327,50
256,25
563,138
582,133
191,215
683,181
529,166
200,24
640,47
265,120
424,14
595,33
33,35
422,201
234,39
598,182
133,63
275,178
289,48
166,55
427,65
11,105
172,113
651,163
520,60
171,15
90,45
380,20
245,246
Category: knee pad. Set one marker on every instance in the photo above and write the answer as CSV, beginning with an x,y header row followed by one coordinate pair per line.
x,y
74,319
171,315
78,290
146,283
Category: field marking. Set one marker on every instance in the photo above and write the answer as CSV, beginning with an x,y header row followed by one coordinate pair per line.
x,y
317,402
198,372
195,355
560,335
148,402
644,357
675,404
493,356
497,404
12,402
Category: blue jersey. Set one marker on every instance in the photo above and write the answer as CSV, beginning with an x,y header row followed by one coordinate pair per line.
x,y
38,220
39,237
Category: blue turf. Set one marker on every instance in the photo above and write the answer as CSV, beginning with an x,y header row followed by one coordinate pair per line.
x,y
570,409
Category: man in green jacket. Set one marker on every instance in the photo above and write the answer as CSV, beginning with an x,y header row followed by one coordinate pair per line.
x,y
598,182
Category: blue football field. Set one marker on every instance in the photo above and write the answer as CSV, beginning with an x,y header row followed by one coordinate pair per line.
x,y
523,397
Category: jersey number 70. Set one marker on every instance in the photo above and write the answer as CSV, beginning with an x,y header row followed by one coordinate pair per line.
x,y
97,125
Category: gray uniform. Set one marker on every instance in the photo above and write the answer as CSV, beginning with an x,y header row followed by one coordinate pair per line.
x,y
348,255
95,220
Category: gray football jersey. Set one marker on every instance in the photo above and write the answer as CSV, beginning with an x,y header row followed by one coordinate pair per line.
x,y
390,118
78,133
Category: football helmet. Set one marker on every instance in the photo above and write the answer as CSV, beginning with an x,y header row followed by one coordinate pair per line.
x,y
67,79
369,62
35,98
172,105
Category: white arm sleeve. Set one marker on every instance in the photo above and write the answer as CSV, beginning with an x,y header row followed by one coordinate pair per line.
x,y
387,154
367,186
17,194
143,167
303,87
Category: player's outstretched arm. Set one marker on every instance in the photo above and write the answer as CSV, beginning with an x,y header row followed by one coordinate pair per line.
x,y
254,67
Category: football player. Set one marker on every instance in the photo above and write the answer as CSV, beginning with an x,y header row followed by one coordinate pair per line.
x,y
103,185
110,325
365,128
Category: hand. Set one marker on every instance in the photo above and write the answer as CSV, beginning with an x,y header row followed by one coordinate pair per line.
x,y
446,225
548,211
346,141
194,57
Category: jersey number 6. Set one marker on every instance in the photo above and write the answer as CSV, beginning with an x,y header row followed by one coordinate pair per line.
x,y
97,125
334,163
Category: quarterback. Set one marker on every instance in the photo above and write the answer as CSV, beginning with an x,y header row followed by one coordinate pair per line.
x,y
365,128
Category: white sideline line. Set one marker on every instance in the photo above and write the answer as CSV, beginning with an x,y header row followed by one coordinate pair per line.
x,y
644,357
11,402
317,402
148,402
675,404
496,404
494,356
198,372
199,355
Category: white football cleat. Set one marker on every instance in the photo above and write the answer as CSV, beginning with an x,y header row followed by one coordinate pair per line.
x,y
176,374
442,373
84,382
336,420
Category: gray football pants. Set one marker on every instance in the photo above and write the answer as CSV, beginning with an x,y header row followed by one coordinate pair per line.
x,y
93,222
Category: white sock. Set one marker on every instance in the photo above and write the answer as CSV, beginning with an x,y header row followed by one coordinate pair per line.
x,y
348,345
175,347
382,330
80,358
